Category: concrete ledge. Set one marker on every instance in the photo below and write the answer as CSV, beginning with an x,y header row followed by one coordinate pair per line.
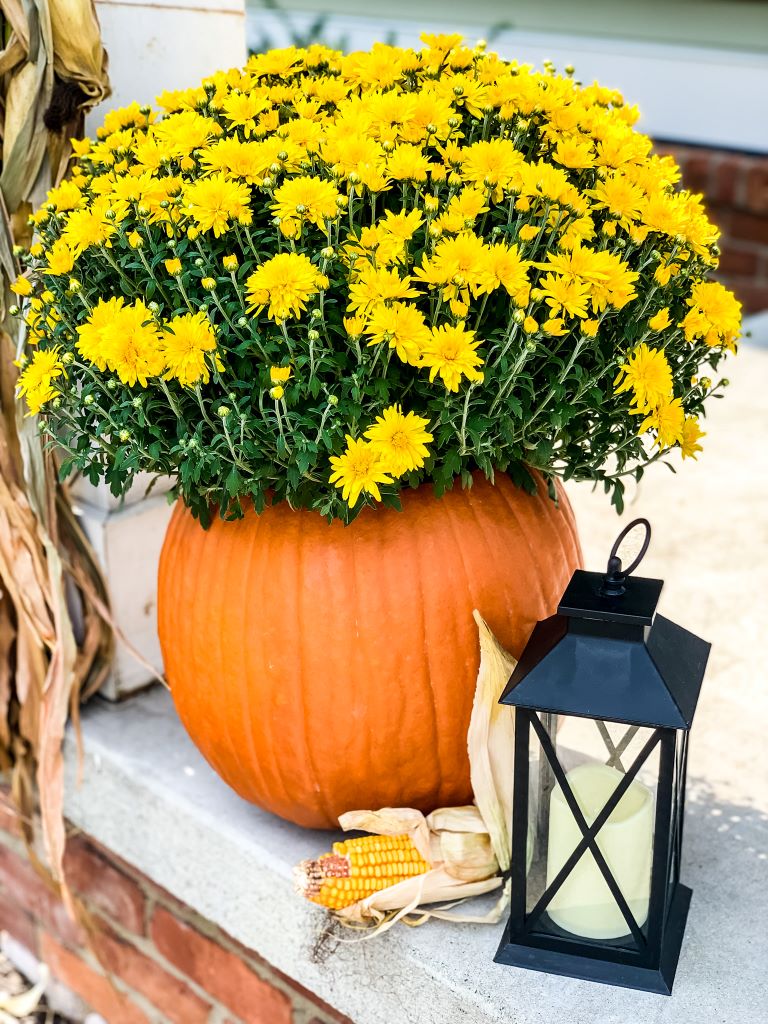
x,y
149,797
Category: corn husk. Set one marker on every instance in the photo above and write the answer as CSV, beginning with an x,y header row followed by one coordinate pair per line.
x,y
468,848
55,637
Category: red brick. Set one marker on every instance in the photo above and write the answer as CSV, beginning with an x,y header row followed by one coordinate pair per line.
x,y
753,296
19,880
749,227
739,261
18,922
218,972
727,181
96,990
757,188
102,886
171,996
697,174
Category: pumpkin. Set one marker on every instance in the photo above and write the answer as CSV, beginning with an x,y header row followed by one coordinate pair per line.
x,y
322,667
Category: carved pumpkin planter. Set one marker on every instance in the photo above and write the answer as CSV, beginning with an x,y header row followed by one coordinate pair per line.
x,y
321,668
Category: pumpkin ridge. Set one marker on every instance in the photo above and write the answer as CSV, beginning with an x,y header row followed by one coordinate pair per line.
x,y
469,578
280,552
250,584
222,560
428,670
307,735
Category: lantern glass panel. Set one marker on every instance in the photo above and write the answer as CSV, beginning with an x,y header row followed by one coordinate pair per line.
x,y
567,892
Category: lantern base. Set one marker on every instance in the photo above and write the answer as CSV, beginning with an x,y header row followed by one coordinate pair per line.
x,y
602,964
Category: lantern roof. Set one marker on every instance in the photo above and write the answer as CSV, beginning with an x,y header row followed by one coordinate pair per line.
x,y
610,656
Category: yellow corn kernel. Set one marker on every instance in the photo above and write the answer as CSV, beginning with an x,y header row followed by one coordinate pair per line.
x,y
356,868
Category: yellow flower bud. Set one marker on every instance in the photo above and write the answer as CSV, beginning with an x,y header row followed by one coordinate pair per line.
x,y
173,267
276,392
209,283
135,240
22,286
230,262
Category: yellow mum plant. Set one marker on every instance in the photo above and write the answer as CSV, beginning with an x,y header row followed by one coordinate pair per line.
x,y
322,278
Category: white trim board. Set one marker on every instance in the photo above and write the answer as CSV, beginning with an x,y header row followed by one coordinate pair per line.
x,y
691,94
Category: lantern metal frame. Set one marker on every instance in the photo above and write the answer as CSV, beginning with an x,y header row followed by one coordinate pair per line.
x,y
569,668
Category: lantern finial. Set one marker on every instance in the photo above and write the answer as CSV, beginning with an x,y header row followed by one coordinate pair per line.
x,y
614,581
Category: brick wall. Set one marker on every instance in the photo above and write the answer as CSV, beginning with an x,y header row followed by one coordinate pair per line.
x,y
735,186
158,962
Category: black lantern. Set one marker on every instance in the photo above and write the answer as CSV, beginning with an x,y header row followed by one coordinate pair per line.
x,y
605,692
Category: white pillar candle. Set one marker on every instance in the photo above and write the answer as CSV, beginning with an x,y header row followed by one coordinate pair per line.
x,y
583,905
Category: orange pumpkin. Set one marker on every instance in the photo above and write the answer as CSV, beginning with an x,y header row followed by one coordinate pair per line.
x,y
322,668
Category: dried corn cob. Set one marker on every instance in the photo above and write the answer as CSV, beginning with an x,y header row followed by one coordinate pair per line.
x,y
357,868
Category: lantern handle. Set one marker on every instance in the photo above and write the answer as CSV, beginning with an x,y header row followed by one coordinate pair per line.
x,y
615,576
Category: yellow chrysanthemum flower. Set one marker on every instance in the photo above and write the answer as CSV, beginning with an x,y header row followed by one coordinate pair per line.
x,y
459,265
492,164
90,342
660,321
714,316
569,296
691,434
451,353
22,286
67,196
575,153
279,374
85,228
35,382
216,201
401,440
505,268
286,283
647,375
306,199
187,339
402,327
373,288
132,345
668,420
619,196
358,471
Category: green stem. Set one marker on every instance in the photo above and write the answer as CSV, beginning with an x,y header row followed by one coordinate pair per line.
x,y
148,269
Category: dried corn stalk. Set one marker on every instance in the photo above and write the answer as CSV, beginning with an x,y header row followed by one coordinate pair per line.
x,y
462,852
55,644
